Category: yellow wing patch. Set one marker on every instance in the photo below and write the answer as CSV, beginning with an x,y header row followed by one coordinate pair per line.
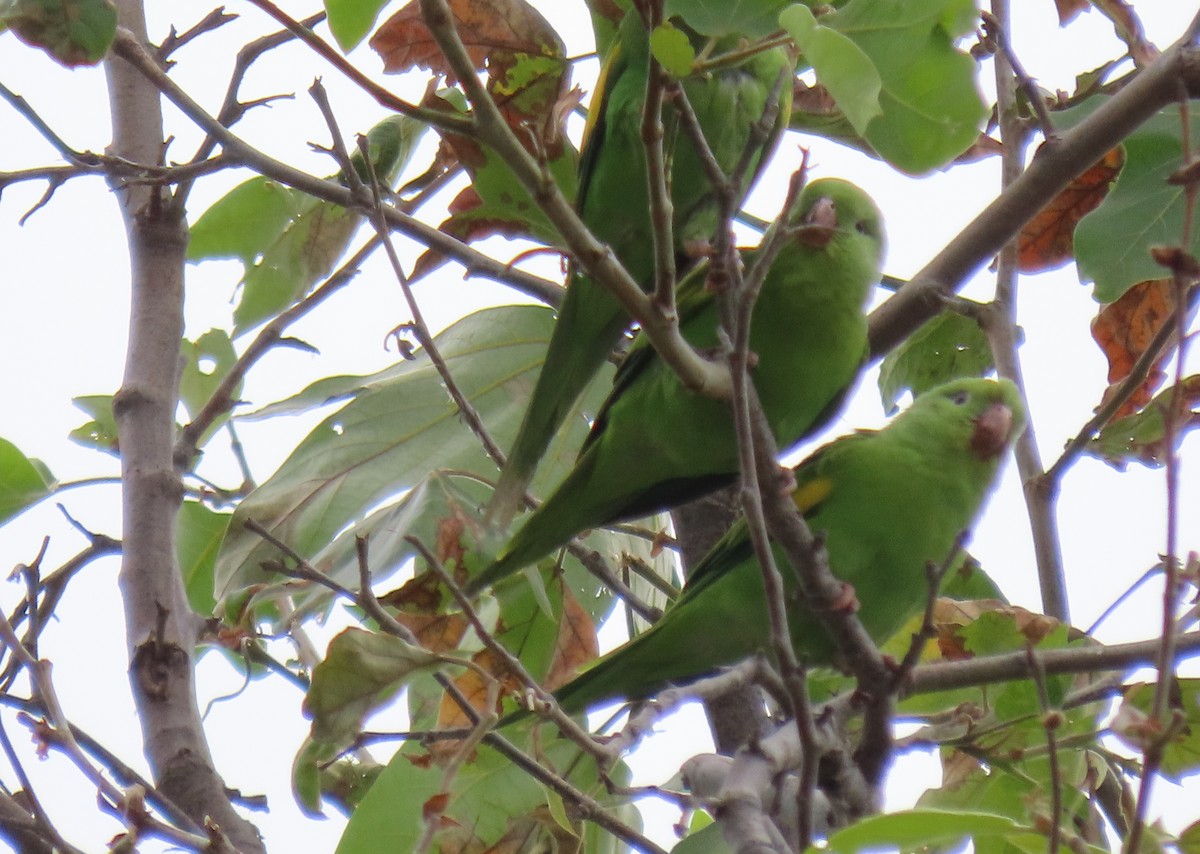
x,y
809,495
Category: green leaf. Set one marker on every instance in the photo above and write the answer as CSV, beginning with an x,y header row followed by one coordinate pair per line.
x,y
74,32
1142,437
206,362
944,348
351,20
397,429
101,431
24,481
1189,839
197,538
673,50
753,19
1181,756
705,840
244,222
488,797
931,108
913,828
847,73
289,241
1112,243
969,581
360,672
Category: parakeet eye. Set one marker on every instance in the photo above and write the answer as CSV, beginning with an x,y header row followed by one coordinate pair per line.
x,y
959,398
861,227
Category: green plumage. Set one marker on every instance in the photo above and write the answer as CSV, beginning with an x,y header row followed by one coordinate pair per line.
x,y
655,444
614,203
887,503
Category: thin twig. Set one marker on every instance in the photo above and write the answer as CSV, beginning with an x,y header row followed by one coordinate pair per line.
x,y
1051,720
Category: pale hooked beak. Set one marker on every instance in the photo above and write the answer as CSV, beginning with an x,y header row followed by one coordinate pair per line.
x,y
992,428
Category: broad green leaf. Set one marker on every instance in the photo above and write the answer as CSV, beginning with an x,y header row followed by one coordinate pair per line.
x,y
101,431
297,260
1189,839
944,348
753,19
73,32
1112,243
198,536
351,20
1142,437
913,828
289,241
489,796
207,361
706,840
23,481
931,108
360,672
1181,756
847,73
396,430
244,222
673,50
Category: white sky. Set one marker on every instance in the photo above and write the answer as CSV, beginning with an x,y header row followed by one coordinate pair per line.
x,y
62,334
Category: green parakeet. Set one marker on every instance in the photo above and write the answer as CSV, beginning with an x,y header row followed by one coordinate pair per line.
x,y
655,444
614,203
887,502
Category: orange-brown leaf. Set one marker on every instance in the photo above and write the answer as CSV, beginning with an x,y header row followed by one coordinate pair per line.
x,y
1069,9
1048,240
435,632
489,29
474,687
576,643
1125,328
420,595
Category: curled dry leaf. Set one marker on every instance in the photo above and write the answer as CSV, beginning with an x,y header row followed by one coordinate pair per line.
x,y
1047,240
1125,328
949,615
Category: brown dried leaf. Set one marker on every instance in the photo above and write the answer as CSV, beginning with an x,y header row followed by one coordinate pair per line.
x,y
949,615
1069,9
576,643
1047,241
474,687
1125,328
422,594
435,632
491,30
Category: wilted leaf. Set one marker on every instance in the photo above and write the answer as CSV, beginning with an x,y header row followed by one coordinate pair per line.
x,y
576,644
1124,330
360,672
1047,241
23,481
1069,9
74,32
1142,437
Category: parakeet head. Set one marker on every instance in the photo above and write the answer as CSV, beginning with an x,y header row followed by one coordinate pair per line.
x,y
835,215
989,413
